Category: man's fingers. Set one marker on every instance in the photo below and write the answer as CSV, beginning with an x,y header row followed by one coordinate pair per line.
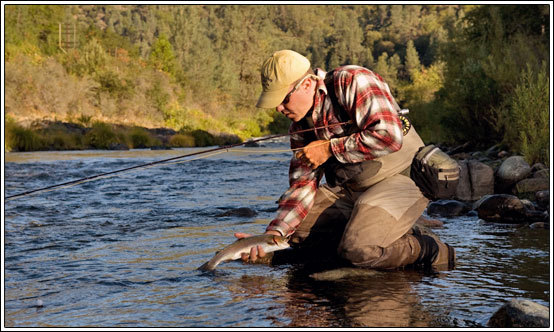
x,y
300,155
261,252
239,235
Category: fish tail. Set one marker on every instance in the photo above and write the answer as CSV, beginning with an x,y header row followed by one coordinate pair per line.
x,y
206,267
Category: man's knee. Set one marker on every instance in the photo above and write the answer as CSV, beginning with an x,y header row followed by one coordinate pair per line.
x,y
366,256
402,252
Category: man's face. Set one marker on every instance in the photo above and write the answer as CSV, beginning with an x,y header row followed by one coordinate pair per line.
x,y
298,101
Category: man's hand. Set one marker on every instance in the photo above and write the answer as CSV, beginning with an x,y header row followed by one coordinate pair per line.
x,y
255,252
315,153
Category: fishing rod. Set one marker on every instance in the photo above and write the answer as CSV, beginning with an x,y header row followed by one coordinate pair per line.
x,y
226,147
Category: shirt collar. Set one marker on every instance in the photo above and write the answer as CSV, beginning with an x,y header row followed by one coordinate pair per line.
x,y
321,82
321,93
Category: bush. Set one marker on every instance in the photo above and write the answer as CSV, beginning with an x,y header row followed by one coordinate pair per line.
x,y
181,141
20,139
140,138
227,139
527,126
115,85
279,125
203,138
84,119
63,141
102,136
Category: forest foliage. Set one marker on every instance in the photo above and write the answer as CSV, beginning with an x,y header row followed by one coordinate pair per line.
x,y
460,69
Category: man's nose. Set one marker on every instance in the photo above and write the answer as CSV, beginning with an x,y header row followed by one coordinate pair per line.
x,y
280,108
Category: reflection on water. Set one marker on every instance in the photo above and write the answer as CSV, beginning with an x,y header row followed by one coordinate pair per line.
x,y
123,251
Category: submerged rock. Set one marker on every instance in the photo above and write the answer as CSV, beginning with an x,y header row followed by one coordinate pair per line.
x,y
505,208
447,208
520,313
239,212
501,208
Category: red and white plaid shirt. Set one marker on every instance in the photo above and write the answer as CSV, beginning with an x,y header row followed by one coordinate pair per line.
x,y
365,99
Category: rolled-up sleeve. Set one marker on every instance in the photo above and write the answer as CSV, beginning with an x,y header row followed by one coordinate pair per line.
x,y
295,203
367,100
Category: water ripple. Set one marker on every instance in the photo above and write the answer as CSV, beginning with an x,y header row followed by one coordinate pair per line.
x,y
122,251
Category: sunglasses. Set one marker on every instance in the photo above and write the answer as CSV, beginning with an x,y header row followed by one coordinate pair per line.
x,y
287,97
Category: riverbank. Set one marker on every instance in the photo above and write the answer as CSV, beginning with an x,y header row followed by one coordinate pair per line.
x,y
47,135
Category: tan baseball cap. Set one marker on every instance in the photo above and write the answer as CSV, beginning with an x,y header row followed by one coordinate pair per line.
x,y
278,72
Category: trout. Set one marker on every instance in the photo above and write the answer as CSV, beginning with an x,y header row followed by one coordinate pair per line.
x,y
268,242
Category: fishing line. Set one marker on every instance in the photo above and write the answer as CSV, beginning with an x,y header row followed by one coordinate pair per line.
x,y
165,161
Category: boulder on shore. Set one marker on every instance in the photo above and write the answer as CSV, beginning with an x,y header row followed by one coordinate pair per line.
x,y
527,188
520,313
511,171
476,180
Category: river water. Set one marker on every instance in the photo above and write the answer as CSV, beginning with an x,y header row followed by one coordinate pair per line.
x,y
122,251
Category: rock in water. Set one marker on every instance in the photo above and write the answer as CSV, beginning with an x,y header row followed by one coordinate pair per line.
x,y
520,313
502,208
239,212
447,208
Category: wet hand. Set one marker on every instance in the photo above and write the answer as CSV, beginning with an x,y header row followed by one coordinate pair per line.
x,y
255,252
315,153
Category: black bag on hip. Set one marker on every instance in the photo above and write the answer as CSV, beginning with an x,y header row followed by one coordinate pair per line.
x,y
435,173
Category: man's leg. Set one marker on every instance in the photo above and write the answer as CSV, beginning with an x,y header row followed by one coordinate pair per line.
x,y
379,233
322,228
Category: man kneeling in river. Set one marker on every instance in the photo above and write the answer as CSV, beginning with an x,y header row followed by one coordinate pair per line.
x,y
369,205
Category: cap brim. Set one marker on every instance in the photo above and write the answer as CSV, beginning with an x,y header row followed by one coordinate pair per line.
x,y
272,99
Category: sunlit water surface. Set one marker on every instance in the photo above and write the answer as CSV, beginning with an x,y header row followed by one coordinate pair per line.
x,y
122,251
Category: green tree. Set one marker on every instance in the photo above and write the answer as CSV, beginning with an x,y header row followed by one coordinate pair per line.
x,y
413,65
93,58
162,56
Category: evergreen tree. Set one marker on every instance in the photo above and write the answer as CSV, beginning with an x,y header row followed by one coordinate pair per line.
x,y
412,60
395,65
382,67
162,56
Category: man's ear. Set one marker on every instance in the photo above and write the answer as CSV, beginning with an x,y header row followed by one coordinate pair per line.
x,y
308,83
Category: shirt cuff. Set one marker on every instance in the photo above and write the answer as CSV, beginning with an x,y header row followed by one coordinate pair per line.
x,y
280,227
338,148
